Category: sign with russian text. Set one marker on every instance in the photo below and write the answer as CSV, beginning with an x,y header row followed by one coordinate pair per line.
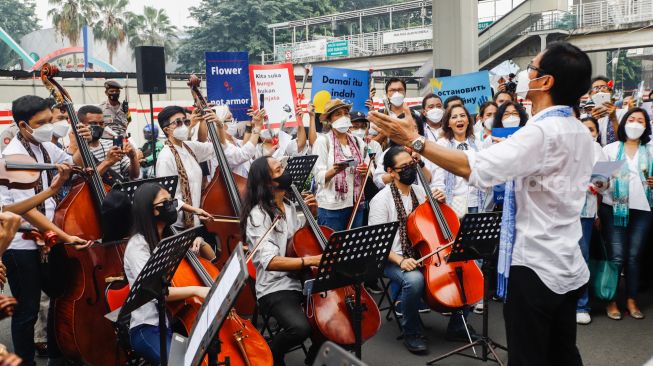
x,y
473,88
408,35
273,88
227,81
337,48
349,85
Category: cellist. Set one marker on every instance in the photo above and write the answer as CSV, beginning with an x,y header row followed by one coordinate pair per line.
x,y
394,203
278,293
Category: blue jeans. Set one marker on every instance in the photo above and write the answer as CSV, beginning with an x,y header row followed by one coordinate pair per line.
x,y
586,224
145,342
625,244
338,219
412,290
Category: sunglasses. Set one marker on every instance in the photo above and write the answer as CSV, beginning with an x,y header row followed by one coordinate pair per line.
x,y
167,204
400,168
181,121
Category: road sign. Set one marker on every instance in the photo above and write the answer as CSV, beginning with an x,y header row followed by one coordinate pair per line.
x,y
337,48
483,25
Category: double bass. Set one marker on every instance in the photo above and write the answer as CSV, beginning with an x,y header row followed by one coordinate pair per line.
x,y
329,313
82,332
431,228
222,198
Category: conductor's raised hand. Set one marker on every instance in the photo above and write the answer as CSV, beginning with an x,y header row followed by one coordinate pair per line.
x,y
401,131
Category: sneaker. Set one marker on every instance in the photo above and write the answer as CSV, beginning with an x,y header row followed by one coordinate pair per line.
x,y
583,318
415,344
373,287
461,336
399,313
478,309
423,308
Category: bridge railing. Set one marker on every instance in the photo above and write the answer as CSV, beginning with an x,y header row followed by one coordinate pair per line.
x,y
612,13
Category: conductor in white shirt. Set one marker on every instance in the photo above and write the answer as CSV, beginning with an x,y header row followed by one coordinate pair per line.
x,y
549,161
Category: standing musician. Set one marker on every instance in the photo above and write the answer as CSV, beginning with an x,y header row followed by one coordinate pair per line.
x,y
394,203
153,212
278,293
547,271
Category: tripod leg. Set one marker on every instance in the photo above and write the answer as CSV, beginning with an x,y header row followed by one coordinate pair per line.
x,y
490,345
462,316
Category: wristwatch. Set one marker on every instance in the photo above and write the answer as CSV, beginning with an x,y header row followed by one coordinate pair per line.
x,y
256,130
418,144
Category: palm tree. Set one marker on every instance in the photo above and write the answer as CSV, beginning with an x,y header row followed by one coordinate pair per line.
x,y
111,27
69,16
152,28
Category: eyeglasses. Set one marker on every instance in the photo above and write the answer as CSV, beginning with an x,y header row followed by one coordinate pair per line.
x,y
539,71
400,168
181,121
599,88
167,203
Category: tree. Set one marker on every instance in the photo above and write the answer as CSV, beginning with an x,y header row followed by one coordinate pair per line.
x,y
69,16
17,18
152,28
628,72
111,26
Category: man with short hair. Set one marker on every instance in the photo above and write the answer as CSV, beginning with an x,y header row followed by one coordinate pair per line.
x,y
605,112
115,114
503,96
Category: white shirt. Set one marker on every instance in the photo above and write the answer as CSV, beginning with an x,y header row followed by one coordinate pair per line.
x,y
326,191
136,256
258,223
636,196
591,203
553,158
432,134
10,196
239,156
166,166
383,210
461,187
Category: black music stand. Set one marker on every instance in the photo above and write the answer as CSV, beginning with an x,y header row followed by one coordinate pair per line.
x,y
168,182
300,168
478,238
351,258
154,280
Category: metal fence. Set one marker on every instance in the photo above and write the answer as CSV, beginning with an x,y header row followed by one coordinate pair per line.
x,y
612,13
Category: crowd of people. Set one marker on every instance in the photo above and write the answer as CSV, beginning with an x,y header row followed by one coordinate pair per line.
x,y
442,149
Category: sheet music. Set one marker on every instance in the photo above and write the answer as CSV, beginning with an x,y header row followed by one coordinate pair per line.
x,y
606,168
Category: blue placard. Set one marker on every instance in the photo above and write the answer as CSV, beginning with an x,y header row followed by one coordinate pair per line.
x,y
227,81
504,132
352,86
473,88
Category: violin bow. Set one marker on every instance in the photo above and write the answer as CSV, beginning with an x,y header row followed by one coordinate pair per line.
x,y
263,238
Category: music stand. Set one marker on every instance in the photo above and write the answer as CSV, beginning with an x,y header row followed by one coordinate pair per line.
x,y
168,182
300,168
351,258
478,238
154,280
203,339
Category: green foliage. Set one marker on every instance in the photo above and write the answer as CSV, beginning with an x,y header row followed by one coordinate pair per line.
x,y
152,28
241,25
17,18
69,16
628,72
111,26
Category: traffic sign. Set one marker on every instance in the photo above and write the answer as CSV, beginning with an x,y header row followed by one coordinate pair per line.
x,y
337,48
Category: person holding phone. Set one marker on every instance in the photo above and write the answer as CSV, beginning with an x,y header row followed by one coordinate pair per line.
x,y
340,169
604,110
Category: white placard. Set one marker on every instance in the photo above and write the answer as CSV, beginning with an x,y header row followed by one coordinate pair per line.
x,y
310,49
405,35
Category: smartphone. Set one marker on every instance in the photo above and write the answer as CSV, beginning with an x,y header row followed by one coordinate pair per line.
x,y
348,162
261,101
601,98
117,141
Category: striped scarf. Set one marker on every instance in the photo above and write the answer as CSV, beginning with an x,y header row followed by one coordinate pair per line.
x,y
406,247
183,180
622,183
341,178
48,173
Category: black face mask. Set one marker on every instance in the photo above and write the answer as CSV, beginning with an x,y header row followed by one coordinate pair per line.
x,y
114,97
168,212
284,181
408,175
96,132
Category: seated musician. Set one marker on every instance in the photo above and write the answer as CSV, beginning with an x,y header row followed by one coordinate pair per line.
x,y
278,293
153,212
395,202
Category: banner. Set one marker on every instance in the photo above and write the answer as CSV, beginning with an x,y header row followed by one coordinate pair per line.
x,y
274,87
227,81
473,88
408,35
352,86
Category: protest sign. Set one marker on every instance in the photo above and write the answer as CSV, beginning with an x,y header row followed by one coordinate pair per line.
x,y
473,88
349,85
504,132
227,80
273,86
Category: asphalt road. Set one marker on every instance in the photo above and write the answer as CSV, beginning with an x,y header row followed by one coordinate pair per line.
x,y
604,342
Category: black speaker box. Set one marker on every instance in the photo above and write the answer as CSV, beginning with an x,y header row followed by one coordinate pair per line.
x,y
150,70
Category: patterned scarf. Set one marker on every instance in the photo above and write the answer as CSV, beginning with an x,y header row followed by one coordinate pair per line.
x,y
341,178
183,179
46,160
507,239
406,246
450,179
610,134
622,182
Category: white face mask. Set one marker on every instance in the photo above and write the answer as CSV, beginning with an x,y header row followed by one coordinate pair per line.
x,y
60,128
232,128
523,84
342,124
180,133
397,99
634,130
583,116
360,133
488,123
435,115
511,121
43,133
372,131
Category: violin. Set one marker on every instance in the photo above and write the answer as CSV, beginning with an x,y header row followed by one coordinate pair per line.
x,y
82,332
432,227
22,171
241,341
222,198
329,312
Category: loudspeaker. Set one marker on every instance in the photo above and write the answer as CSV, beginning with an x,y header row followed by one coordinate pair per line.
x,y
150,70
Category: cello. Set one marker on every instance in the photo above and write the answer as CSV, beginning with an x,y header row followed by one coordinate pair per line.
x,y
329,313
224,187
82,332
431,228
